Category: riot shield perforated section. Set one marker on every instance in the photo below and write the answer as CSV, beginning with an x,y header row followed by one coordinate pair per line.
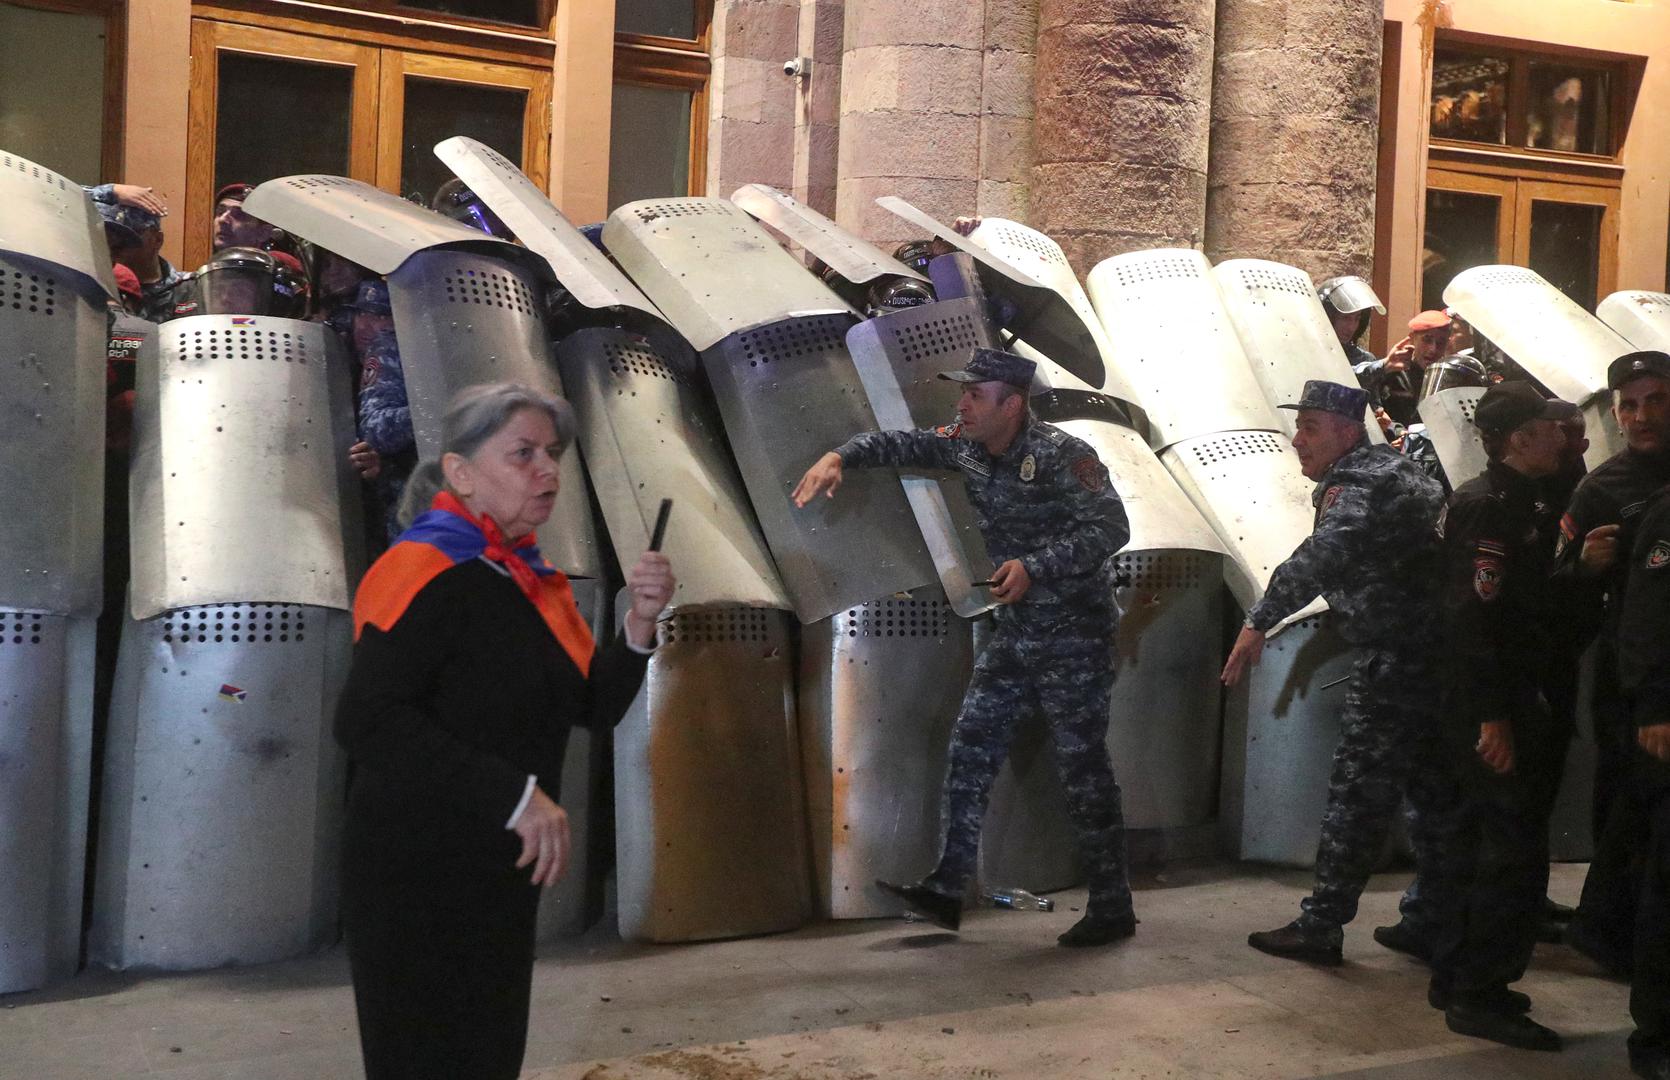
x,y
649,432
1448,416
1037,313
241,434
1640,318
464,318
879,690
899,357
51,219
1561,345
52,341
710,743
590,278
1249,487
713,270
788,394
1285,333
1173,341
850,256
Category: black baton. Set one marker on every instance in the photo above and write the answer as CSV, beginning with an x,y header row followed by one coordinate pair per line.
x,y
660,532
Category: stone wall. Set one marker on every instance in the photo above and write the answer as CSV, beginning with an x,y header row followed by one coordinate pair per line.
x,y
1295,118
752,106
1123,99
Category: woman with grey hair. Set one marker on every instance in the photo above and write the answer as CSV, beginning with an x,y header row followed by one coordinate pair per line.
x,y
471,663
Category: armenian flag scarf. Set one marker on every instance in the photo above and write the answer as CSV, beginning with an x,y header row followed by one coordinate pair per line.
x,y
448,534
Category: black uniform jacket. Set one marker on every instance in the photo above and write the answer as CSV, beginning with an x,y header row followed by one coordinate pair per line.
x,y
1644,626
1615,493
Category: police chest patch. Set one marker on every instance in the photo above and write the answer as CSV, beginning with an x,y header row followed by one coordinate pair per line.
x,y
1329,498
1487,578
1088,472
1029,468
1658,556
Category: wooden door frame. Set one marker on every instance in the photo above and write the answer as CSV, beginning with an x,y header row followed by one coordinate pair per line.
x,y
398,64
1502,188
1564,191
210,38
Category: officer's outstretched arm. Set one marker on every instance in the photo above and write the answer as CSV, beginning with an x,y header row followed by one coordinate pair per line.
x,y
821,479
1320,564
1094,525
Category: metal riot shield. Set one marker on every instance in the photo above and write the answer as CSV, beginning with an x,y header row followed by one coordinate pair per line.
x,y
787,392
899,357
219,764
1448,416
1640,318
50,219
1285,333
880,688
850,256
1037,255
1550,336
1281,726
241,435
590,278
463,318
710,826
713,270
1033,311
649,432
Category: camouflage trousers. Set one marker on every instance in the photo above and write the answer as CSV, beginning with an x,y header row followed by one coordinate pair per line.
x,y
1065,672
1388,750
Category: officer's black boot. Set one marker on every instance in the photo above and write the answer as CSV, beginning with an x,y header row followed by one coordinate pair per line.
x,y
941,909
1097,928
1406,937
1491,1021
1298,941
1504,1000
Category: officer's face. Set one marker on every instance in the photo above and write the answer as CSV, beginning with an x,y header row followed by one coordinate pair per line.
x,y
1539,447
986,410
1345,324
234,228
1322,438
1643,411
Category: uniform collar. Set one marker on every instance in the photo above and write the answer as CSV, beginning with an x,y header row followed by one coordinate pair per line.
x,y
1517,488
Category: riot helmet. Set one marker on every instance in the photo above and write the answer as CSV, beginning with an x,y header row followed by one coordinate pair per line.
x,y
894,293
916,254
456,201
1454,371
1348,294
247,281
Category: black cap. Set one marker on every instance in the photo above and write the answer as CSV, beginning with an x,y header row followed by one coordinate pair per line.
x,y
1347,401
995,365
1636,364
1507,405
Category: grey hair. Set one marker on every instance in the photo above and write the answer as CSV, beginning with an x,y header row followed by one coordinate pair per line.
x,y
476,414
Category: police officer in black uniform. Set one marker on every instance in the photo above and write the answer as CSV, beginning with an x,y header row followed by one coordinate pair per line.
x,y
1500,609
1373,555
1052,523
1596,534
1644,678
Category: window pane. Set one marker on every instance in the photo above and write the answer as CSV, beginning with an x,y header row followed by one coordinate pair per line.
x,y
1469,96
515,12
439,110
278,117
668,18
52,89
1565,247
649,143
1568,108
1460,234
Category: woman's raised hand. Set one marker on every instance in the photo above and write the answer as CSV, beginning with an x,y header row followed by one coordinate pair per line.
x,y
543,828
650,584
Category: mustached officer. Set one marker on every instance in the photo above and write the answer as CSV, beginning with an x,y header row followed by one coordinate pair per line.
x,y
1052,523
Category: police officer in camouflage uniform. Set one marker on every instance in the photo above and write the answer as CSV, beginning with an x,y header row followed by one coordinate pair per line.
x,y
135,238
1373,555
1052,523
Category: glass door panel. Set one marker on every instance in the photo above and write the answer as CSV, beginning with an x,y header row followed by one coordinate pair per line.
x,y
52,89
1568,233
649,143
1469,221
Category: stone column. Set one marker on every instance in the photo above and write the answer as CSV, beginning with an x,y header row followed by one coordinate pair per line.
x,y
818,108
1124,112
1006,111
1295,121
752,104
911,82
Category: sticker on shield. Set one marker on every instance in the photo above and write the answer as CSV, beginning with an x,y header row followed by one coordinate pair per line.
x,y
228,692
1658,557
1487,579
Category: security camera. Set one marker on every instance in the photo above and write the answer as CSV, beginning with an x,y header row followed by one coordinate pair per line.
x,y
798,68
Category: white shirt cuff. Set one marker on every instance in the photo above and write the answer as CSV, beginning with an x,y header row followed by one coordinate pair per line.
x,y
527,793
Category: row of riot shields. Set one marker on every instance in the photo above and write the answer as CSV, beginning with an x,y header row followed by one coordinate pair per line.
x,y
789,744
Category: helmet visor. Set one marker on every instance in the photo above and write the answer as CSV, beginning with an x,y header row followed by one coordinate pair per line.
x,y
1349,294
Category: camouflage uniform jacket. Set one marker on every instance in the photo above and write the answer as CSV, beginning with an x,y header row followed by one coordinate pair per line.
x,y
1372,554
385,413
1046,500
1500,604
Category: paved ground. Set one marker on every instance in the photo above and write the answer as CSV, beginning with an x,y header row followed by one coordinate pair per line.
x,y
879,1001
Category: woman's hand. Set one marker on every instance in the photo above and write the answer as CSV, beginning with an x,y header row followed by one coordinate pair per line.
x,y
543,828
650,584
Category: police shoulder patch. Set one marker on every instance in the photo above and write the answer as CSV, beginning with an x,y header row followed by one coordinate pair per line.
x,y
1658,556
1329,498
1090,475
1487,578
